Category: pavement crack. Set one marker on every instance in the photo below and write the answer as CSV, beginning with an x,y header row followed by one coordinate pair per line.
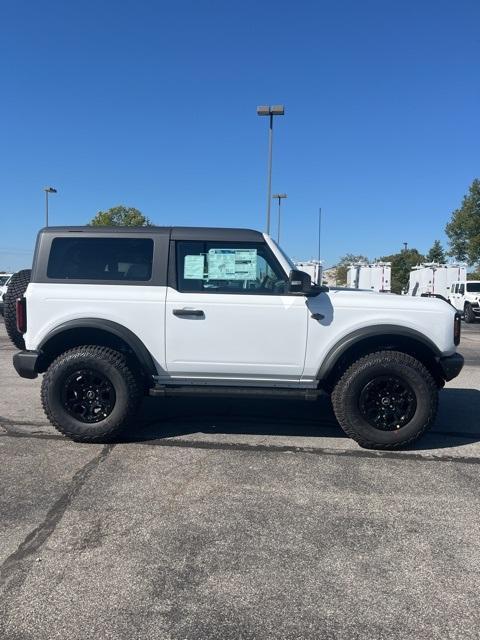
x,y
6,422
14,569
406,454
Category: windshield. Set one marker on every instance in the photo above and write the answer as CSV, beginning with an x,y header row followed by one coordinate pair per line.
x,y
3,280
473,286
290,263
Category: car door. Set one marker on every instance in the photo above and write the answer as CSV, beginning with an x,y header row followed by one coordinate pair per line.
x,y
229,315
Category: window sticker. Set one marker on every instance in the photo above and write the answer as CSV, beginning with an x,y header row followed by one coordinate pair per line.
x,y
194,267
232,264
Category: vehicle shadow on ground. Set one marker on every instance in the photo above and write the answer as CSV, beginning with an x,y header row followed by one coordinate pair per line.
x,y
457,424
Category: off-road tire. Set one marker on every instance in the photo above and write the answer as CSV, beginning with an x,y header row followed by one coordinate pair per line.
x,y
346,397
468,314
16,288
110,364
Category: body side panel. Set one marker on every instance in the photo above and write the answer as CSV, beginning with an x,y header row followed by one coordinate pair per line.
x,y
140,309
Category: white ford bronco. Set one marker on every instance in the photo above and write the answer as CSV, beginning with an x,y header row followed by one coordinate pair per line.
x,y
111,314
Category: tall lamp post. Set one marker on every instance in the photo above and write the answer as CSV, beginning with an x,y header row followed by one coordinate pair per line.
x,y
266,110
280,197
319,232
47,191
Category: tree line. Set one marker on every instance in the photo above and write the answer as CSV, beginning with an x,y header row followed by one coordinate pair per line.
x,y
463,232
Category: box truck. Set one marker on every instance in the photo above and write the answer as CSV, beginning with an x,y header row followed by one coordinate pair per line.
x,y
375,276
431,279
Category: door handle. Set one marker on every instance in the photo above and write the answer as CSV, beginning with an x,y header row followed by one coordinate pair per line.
x,y
186,313
317,316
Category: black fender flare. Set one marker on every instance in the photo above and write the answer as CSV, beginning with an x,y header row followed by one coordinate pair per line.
x,y
357,336
114,328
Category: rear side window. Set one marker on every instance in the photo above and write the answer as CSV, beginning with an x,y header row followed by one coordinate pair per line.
x,y
110,259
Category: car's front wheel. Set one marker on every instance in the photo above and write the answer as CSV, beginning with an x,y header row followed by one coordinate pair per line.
x,y
89,393
385,400
468,313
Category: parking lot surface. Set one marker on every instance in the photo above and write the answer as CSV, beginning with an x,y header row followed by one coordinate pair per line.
x,y
239,519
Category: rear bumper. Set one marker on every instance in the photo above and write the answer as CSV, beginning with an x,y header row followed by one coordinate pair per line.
x,y
25,363
451,366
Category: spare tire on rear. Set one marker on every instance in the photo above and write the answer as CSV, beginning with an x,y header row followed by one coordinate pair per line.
x,y
16,288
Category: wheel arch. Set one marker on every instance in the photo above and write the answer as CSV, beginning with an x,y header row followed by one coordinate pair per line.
x,y
96,331
379,338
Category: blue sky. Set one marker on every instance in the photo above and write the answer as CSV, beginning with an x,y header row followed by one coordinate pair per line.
x,y
152,104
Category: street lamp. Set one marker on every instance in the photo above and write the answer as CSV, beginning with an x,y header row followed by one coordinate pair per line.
x,y
47,191
280,197
274,110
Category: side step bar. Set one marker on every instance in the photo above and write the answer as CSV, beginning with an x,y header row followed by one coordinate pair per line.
x,y
234,392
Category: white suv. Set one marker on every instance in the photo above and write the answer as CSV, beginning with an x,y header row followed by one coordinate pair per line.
x,y
465,297
111,314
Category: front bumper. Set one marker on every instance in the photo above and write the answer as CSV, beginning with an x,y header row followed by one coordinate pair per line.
x,y
451,366
26,363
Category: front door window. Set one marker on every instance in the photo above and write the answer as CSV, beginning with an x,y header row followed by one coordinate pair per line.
x,y
213,267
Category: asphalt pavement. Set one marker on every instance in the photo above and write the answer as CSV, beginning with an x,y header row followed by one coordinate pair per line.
x,y
239,519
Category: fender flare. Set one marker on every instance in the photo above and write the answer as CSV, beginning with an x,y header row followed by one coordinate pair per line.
x,y
114,328
359,335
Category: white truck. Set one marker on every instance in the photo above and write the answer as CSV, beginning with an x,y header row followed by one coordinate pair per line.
x,y
375,276
465,297
431,279
109,315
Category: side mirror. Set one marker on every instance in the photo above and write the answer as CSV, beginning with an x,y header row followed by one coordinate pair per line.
x,y
299,282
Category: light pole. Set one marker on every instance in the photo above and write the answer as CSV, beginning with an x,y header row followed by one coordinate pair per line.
x,y
319,232
280,197
266,110
47,191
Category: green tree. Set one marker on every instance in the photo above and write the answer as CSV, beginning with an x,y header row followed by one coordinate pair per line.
x,y
436,253
120,216
463,230
342,267
402,264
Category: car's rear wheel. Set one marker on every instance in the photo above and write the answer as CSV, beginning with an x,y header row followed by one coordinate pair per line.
x,y
16,288
90,394
468,313
385,400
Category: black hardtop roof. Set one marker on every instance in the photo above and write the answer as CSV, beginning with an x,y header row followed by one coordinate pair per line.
x,y
176,233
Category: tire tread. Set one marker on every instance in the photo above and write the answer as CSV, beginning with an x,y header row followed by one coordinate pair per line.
x,y
115,359
339,406
16,288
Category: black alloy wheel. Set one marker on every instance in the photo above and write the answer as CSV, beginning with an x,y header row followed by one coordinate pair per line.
x,y
387,403
88,396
